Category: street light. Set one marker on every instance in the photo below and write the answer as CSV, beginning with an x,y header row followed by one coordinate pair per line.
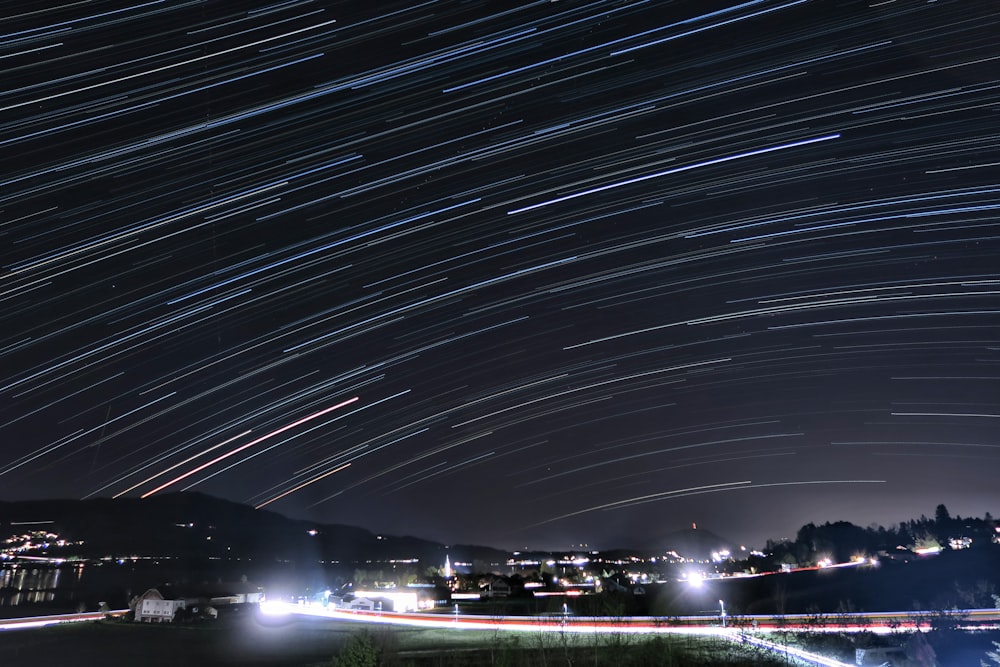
x,y
722,613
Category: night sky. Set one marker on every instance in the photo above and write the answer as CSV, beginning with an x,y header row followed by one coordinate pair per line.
x,y
524,274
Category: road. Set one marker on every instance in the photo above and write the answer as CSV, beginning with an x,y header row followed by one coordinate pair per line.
x,y
41,621
741,629
882,622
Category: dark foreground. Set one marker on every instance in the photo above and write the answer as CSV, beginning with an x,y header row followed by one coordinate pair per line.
x,y
245,640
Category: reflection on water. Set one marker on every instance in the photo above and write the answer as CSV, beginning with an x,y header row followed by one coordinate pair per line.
x,y
84,585
28,588
21,584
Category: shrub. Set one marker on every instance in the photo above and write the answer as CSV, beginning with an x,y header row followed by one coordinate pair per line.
x,y
359,651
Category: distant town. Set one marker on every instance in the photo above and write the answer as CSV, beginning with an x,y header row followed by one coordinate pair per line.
x,y
196,559
406,574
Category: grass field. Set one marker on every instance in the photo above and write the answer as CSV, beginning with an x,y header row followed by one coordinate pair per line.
x,y
243,640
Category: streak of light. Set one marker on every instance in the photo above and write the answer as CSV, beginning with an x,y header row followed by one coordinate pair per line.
x,y
675,170
302,486
185,461
944,414
250,444
676,493
699,490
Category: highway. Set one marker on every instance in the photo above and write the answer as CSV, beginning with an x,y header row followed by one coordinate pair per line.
x,y
27,622
710,627
876,622
751,629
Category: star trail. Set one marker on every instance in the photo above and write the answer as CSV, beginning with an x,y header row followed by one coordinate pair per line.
x,y
515,274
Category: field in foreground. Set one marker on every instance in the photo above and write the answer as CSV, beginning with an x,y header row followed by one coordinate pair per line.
x,y
246,641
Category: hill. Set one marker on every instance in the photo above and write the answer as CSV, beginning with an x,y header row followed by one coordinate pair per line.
x,y
196,526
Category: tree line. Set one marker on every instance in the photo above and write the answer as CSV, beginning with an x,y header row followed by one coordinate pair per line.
x,y
840,541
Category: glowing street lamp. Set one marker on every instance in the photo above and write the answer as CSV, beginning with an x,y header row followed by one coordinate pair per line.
x,y
722,613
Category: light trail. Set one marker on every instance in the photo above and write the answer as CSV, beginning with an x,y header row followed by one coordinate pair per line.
x,y
30,622
675,170
704,625
178,465
665,495
302,486
701,490
250,444
227,221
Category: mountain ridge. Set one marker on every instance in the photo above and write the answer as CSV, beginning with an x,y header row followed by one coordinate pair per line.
x,y
197,525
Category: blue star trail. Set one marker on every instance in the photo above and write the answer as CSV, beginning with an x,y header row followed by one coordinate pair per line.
x,y
486,272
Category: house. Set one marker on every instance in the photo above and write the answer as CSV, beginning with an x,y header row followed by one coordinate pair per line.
x,y
152,607
224,593
496,588
159,605
360,604
351,602
231,594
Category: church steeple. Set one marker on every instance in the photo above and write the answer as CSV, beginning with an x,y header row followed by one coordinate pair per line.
x,y
447,567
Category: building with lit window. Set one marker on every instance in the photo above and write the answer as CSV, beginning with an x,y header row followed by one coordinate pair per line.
x,y
152,607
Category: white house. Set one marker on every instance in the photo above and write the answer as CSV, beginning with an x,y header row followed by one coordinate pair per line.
x,y
151,607
154,606
361,604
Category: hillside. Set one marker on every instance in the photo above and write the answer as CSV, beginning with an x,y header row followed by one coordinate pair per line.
x,y
198,526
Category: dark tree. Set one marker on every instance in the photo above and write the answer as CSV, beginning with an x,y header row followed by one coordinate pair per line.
x,y
941,515
943,524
